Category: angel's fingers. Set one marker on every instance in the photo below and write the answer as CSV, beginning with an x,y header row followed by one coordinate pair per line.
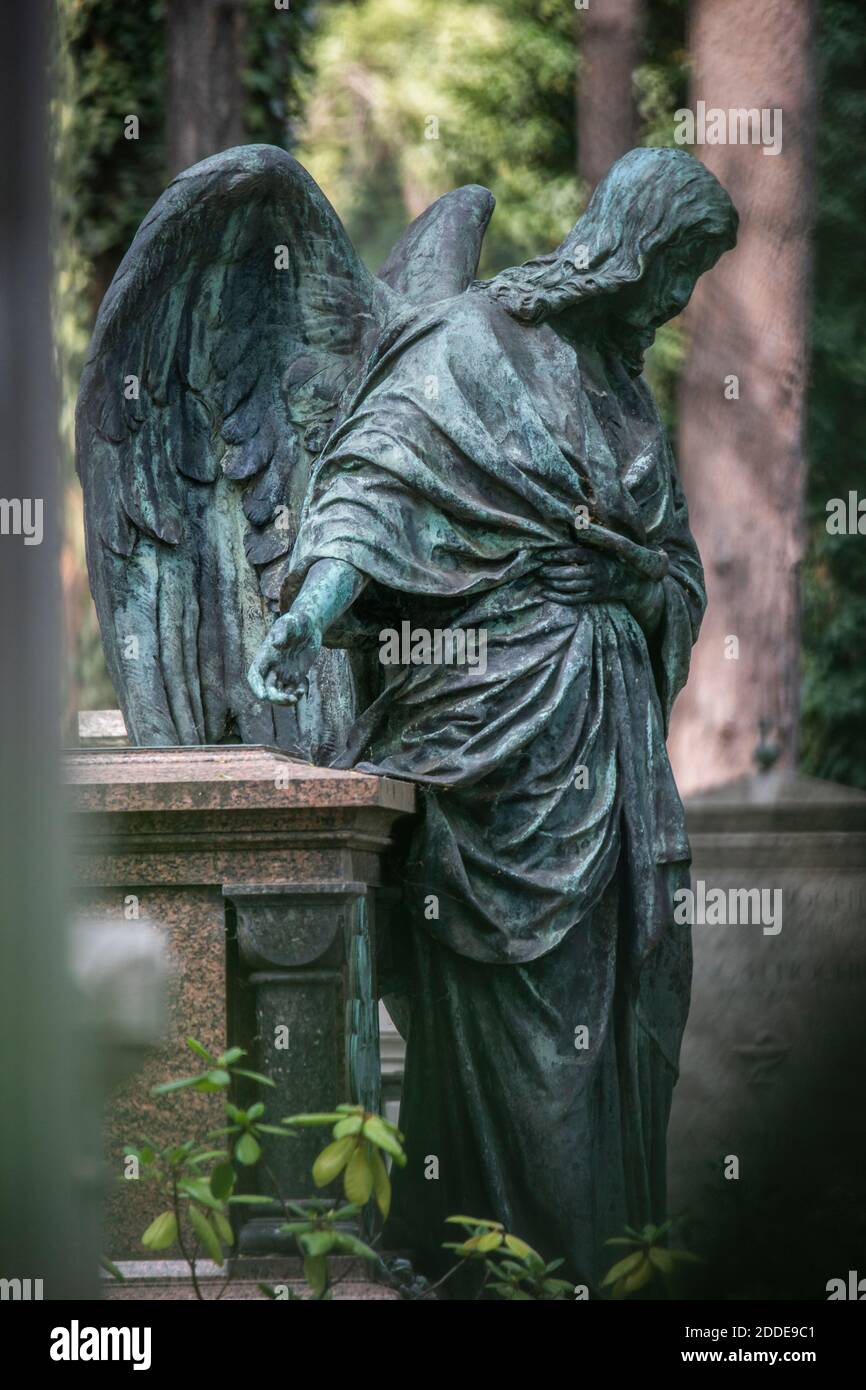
x,y
255,676
576,586
278,696
580,566
557,596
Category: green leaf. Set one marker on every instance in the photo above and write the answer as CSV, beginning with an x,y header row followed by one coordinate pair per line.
x,y
469,1248
519,1247
111,1268
202,1052
165,1088
350,1125
491,1241
254,1076
198,1189
208,1156
316,1272
222,1180
347,1212
223,1228
475,1221
247,1150
206,1234
250,1199
256,1111
219,1077
381,1183
622,1268
661,1259
636,1280
331,1161
325,1118
234,1054
161,1233
559,1286
351,1245
317,1242
358,1177
350,1109
375,1131
275,1129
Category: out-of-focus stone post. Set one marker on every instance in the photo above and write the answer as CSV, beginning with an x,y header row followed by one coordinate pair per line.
x,y
48,1232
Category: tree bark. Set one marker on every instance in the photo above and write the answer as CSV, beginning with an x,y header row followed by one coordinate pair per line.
x,y
609,39
742,460
204,88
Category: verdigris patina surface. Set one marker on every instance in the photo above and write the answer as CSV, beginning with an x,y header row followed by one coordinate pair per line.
x,y
502,468
482,457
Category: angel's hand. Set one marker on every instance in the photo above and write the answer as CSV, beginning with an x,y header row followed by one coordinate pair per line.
x,y
279,671
579,575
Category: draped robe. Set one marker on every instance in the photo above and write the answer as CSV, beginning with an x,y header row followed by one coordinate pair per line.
x,y
546,983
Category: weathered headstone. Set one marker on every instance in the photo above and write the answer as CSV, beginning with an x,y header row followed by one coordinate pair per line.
x,y
767,1147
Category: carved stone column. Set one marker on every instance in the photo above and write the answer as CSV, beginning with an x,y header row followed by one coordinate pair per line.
x,y
306,954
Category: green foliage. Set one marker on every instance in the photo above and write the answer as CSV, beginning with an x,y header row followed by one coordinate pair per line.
x,y
318,1235
661,80
512,1269
196,1179
649,1260
834,590
411,100
276,61
360,1139
110,65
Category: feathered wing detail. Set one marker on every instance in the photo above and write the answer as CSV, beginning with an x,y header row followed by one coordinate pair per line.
x,y
233,325
239,319
437,255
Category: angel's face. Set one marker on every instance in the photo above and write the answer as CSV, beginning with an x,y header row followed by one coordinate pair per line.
x,y
666,286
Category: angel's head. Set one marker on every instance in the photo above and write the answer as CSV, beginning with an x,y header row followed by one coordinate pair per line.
x,y
654,224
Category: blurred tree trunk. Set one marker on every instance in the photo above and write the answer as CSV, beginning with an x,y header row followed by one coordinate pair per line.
x,y
742,460
205,95
609,41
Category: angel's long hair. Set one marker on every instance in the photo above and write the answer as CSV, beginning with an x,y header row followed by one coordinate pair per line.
x,y
648,199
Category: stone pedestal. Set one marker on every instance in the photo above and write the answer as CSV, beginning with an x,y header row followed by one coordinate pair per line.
x,y
263,875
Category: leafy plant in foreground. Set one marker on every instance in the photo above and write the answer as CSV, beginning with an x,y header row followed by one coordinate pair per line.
x,y
649,1259
512,1269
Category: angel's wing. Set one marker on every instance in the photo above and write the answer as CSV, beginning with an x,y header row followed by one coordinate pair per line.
x,y
234,325
229,332
437,255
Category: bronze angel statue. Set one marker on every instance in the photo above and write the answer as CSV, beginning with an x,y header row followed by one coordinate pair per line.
x,y
422,447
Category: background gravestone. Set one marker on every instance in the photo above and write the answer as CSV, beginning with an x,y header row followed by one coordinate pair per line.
x,y
773,1067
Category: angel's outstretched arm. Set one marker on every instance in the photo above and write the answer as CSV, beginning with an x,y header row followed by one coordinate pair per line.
x,y
280,668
